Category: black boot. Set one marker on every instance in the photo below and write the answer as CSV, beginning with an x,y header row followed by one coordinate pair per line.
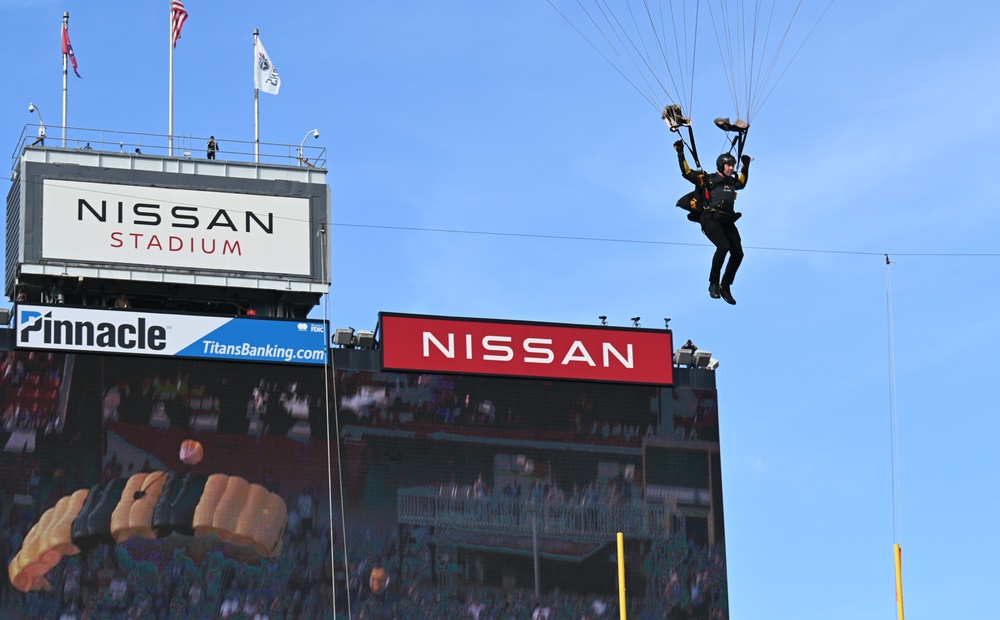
x,y
713,291
727,295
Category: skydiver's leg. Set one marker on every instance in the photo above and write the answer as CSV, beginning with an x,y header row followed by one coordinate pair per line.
x,y
713,230
735,253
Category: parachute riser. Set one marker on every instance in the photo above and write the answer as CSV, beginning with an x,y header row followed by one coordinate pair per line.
x,y
693,147
675,119
738,141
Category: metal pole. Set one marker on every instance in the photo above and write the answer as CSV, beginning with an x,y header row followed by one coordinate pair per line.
x,y
256,105
65,81
898,556
621,575
170,88
534,553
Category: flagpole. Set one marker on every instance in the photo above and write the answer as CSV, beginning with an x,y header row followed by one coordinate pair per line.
x,y
170,88
65,25
256,106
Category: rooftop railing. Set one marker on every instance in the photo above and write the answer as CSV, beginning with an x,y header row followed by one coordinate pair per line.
x,y
440,508
158,145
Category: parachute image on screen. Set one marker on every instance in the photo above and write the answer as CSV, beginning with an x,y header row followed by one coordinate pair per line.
x,y
150,505
176,488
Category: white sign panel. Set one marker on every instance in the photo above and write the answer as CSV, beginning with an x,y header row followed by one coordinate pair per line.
x,y
175,228
65,328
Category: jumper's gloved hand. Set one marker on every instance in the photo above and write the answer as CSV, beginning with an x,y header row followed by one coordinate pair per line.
x,y
745,159
679,147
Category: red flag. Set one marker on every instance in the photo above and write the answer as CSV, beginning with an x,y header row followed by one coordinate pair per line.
x,y
177,17
67,49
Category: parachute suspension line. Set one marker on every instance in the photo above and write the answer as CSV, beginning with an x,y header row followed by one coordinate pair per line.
x,y
721,29
658,35
628,62
643,54
644,95
741,41
753,48
897,518
694,49
795,55
623,53
774,57
749,61
757,81
689,61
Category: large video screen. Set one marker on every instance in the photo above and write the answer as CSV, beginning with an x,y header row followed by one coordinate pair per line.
x,y
490,497
171,488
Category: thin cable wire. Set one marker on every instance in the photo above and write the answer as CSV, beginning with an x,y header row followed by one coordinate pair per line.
x,y
897,518
650,242
329,379
574,238
328,371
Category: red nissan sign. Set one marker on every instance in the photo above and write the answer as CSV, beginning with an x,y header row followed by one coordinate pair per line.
x,y
544,350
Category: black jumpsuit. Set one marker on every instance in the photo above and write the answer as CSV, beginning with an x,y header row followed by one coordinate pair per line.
x,y
718,220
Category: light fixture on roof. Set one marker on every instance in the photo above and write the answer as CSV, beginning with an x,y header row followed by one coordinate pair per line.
x,y
302,159
41,125
702,358
684,357
364,339
343,336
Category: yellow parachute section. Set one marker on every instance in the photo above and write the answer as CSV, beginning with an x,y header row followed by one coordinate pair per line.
x,y
228,507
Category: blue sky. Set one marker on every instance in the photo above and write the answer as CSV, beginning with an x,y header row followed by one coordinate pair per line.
x,y
499,120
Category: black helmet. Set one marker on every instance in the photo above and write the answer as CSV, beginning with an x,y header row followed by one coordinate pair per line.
x,y
725,158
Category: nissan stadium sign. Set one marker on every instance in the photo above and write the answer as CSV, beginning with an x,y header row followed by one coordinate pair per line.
x,y
64,328
542,350
175,229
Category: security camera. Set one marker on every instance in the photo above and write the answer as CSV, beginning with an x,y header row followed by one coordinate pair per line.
x,y
315,133
31,107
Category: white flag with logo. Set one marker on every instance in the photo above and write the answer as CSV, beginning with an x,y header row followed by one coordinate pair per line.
x,y
265,76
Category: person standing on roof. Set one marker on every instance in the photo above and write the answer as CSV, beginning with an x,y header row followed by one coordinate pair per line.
x,y
717,195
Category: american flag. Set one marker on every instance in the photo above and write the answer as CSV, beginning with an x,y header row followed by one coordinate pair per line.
x,y
177,17
67,49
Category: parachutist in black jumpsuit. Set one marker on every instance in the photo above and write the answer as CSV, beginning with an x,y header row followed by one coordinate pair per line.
x,y
718,216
